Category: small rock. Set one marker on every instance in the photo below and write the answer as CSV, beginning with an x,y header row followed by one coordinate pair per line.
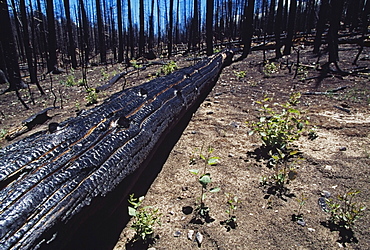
x,y
209,112
151,248
190,234
342,149
199,238
177,234
193,132
334,187
323,205
325,194
340,245
311,229
231,155
327,167
301,222
171,212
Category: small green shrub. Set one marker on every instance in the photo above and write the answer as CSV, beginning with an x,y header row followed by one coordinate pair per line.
x,y
92,96
345,211
168,68
204,179
145,218
270,68
70,81
280,124
240,74
3,132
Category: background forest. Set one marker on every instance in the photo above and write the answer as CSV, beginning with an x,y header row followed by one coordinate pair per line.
x,y
40,37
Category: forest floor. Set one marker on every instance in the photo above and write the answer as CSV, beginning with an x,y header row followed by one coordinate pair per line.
x,y
336,161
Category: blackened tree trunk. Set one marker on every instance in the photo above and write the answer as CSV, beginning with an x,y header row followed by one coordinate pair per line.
x,y
120,33
209,27
271,17
336,13
84,33
29,47
141,32
320,26
151,28
195,25
130,31
101,35
170,30
278,24
247,30
52,39
291,27
71,44
10,55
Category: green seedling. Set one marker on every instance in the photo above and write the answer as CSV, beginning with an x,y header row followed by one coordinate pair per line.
x,y
92,96
204,178
232,201
70,81
104,74
345,211
299,216
240,74
145,219
168,68
3,132
269,69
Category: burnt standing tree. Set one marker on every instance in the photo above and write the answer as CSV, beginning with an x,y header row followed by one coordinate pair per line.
x,y
247,28
101,35
209,27
71,43
52,39
170,30
9,53
291,27
29,47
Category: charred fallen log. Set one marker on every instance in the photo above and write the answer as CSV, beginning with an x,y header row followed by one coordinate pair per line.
x,y
49,177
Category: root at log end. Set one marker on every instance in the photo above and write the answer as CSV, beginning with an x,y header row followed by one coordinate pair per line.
x,y
63,171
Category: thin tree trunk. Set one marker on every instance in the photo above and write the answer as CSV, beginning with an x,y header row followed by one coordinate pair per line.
x,y
336,13
141,32
291,27
247,28
10,54
120,35
28,47
170,30
278,22
320,26
52,40
101,35
130,31
72,46
209,27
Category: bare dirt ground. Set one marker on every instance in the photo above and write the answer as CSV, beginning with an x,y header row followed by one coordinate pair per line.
x,y
336,161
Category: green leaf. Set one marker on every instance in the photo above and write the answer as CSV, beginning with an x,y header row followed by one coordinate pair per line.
x,y
213,160
131,211
194,171
215,190
205,179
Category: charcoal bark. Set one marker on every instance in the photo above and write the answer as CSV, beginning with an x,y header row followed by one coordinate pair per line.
x,y
48,178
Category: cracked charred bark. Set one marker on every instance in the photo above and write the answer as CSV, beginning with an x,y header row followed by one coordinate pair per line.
x,y
52,176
